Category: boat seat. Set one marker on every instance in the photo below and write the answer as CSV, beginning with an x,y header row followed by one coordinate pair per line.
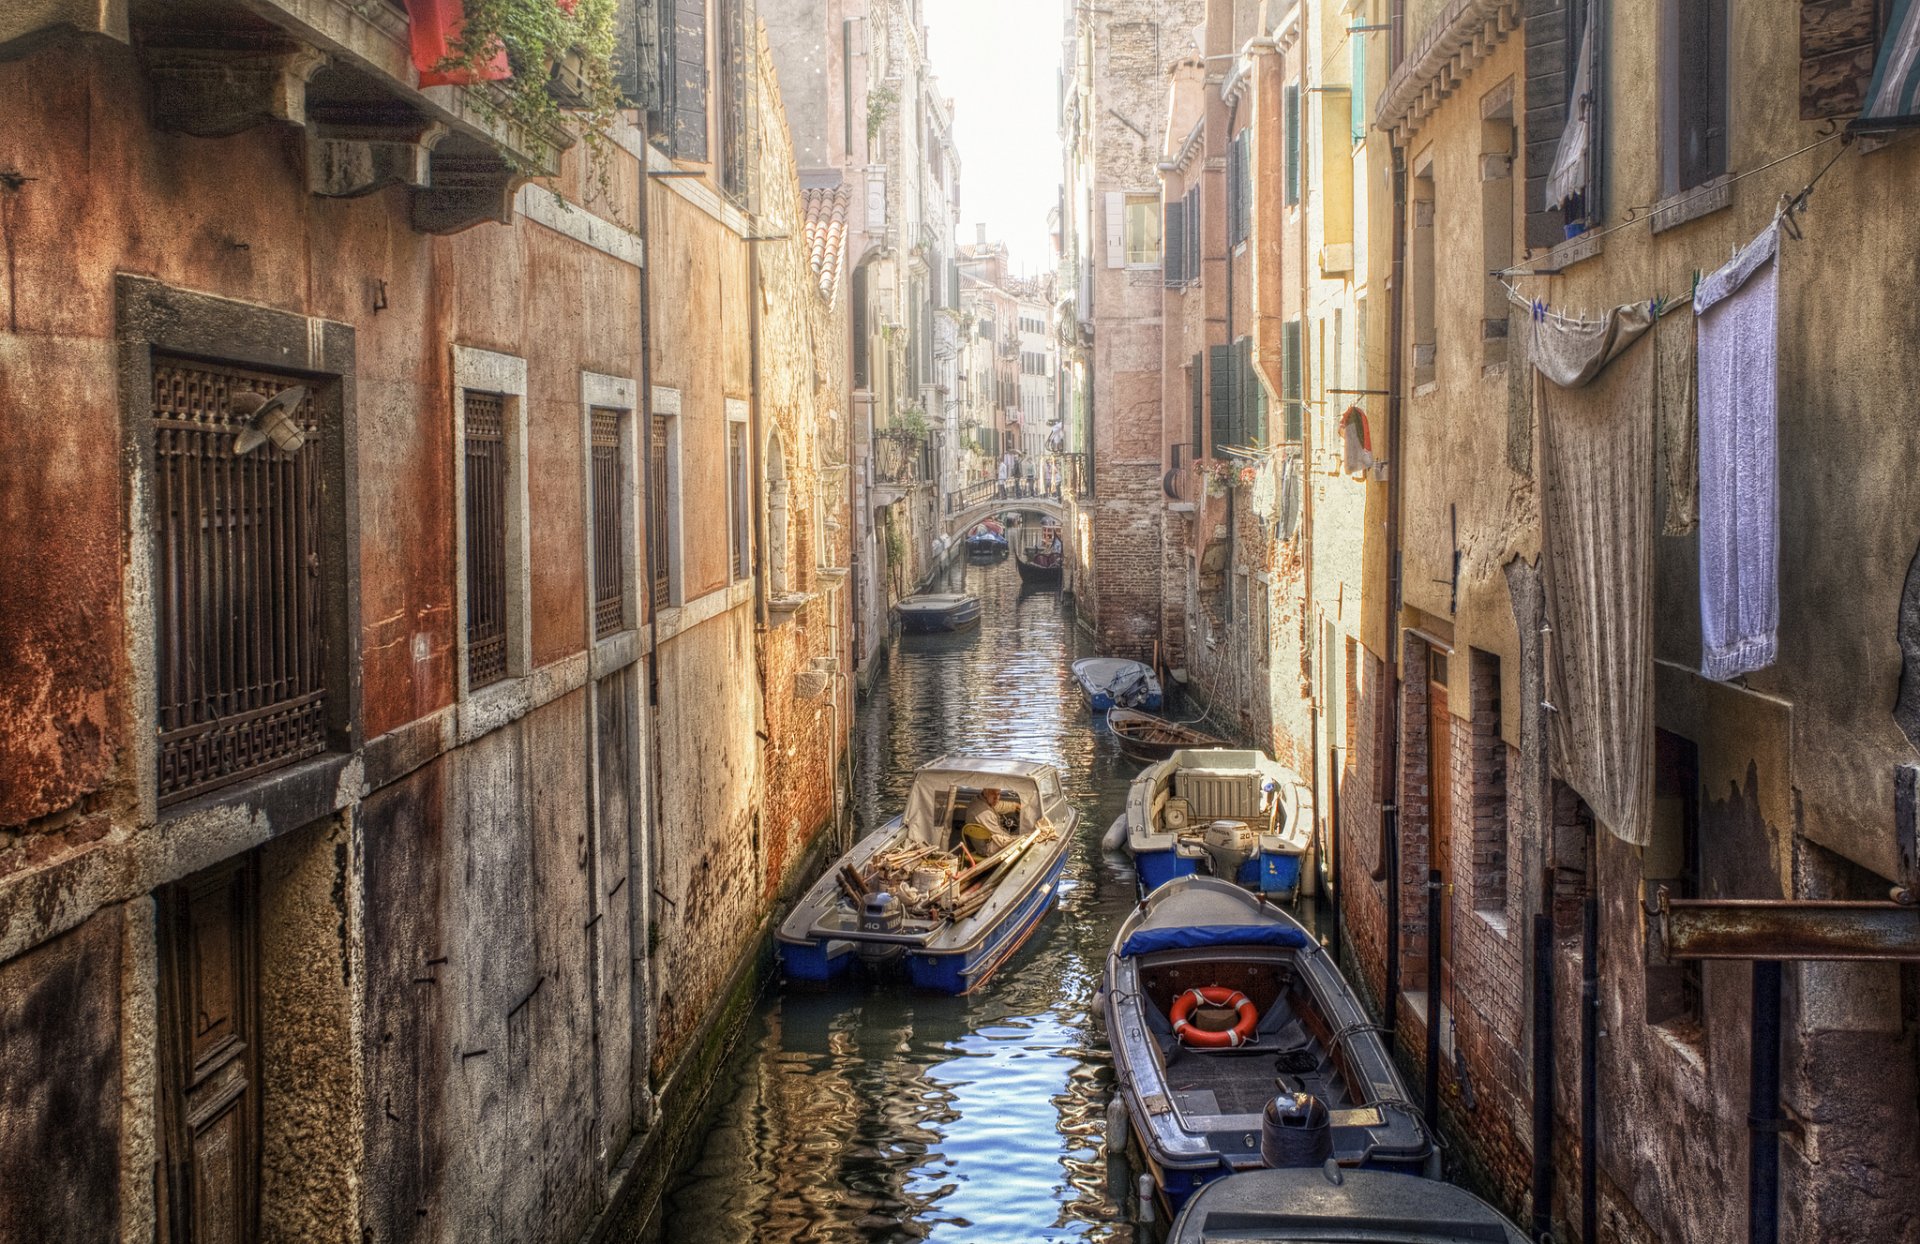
x,y
1217,794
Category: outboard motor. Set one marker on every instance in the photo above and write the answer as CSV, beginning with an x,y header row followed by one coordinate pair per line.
x,y
882,914
1229,845
1295,1130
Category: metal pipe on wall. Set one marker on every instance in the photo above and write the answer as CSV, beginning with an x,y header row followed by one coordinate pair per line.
x,y
1589,1065
1542,1225
1763,1108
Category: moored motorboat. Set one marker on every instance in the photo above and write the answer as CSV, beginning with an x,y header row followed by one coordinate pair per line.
x,y
939,611
1115,681
950,888
1144,736
1234,813
1290,1204
986,543
1232,1033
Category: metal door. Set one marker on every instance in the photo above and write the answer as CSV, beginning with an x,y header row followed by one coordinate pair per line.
x,y
210,1079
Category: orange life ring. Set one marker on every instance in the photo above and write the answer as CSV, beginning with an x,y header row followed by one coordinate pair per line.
x,y
1214,995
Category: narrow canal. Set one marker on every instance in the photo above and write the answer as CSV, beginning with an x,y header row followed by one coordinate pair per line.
x,y
872,1113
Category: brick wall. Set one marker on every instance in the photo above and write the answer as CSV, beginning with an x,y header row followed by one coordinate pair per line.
x,y
1127,557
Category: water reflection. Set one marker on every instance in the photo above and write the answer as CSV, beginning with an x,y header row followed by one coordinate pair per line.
x,y
870,1113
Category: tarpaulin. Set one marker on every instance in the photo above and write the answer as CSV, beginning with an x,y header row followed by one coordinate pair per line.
x,y
1207,936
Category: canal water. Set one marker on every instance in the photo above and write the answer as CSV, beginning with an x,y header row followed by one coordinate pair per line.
x,y
872,1113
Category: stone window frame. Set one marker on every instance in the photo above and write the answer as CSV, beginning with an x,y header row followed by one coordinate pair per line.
x,y
154,317
664,403
487,371
740,498
619,393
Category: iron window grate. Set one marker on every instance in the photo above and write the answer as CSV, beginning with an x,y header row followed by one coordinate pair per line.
x,y
486,519
241,668
609,595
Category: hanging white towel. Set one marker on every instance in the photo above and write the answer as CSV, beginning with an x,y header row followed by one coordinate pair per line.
x,y
1738,310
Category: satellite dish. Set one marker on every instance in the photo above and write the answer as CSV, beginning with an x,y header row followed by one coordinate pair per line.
x,y
270,419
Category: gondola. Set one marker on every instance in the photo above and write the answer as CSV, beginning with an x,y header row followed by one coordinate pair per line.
x,y
1143,736
1233,1033
942,611
947,899
1038,573
1317,1205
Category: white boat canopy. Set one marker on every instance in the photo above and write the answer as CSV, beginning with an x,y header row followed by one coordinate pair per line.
x,y
950,783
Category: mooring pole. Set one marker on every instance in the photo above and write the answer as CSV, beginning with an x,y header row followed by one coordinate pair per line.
x,y
1542,1077
1763,1108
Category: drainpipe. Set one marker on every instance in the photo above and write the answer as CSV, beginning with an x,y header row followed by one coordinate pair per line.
x,y
755,433
1396,470
642,902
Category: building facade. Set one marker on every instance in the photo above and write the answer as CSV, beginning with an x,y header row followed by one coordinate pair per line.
x,y
359,876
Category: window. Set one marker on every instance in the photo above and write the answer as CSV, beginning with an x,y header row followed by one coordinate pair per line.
x,y
1693,106
1143,230
1421,276
1496,218
659,512
1672,858
1290,380
1192,265
1562,126
609,596
1196,378
680,120
486,531
241,682
1237,190
1488,778
1175,237
733,42
1290,102
1223,368
1253,398
739,487
1357,95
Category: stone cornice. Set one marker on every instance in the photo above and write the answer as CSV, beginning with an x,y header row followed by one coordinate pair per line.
x,y
1464,34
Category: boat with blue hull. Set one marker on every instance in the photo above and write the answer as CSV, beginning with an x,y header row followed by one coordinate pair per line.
x,y
947,891
1234,1037
1226,812
1110,682
1294,1205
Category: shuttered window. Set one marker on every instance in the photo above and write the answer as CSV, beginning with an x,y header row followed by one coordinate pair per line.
x,y
1291,104
1697,114
1237,189
659,514
1224,368
1290,381
681,118
1838,39
739,159
609,541
740,515
1175,237
1253,398
1358,95
1197,382
238,578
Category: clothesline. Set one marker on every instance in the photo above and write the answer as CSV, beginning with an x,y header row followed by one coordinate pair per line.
x,y
1665,303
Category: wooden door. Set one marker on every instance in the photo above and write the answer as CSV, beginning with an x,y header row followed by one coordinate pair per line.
x,y
210,1078
1440,806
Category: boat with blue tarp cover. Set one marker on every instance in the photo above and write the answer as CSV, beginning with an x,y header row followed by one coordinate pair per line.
x,y
1237,1044
947,890
1317,1206
1227,812
1111,681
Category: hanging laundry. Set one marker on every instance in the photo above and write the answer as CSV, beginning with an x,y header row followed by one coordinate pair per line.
x,y
1356,442
1738,310
1673,399
1593,390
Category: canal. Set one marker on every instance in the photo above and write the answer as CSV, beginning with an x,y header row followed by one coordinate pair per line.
x,y
872,1113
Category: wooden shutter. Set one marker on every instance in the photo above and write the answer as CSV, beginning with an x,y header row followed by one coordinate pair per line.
x,y
686,86
1116,229
1253,398
1175,242
1197,378
1292,105
1225,374
1193,234
1838,40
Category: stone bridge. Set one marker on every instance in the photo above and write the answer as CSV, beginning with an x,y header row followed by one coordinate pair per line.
x,y
982,500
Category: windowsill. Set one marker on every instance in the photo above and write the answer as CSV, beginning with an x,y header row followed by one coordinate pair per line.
x,y
1702,200
1496,921
1426,388
1574,250
615,652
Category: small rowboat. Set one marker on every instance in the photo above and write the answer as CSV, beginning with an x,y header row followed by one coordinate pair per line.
x,y
1146,737
946,611
1114,681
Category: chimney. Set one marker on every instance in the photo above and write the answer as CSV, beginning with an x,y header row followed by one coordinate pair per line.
x,y
980,233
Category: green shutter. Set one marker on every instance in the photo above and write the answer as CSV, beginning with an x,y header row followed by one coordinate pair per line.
x,y
1290,376
1292,98
1225,396
1172,242
1358,94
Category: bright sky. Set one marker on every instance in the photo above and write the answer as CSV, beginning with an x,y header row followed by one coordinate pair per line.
x,y
998,61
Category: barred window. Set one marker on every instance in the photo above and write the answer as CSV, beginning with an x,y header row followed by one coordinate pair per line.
x,y
238,578
609,539
486,520
659,514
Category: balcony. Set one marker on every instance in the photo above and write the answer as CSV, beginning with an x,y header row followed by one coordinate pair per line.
x,y
341,71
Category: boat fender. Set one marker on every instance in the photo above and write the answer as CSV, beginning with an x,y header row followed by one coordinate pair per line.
x,y
1214,995
1146,1200
1116,1126
1116,836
